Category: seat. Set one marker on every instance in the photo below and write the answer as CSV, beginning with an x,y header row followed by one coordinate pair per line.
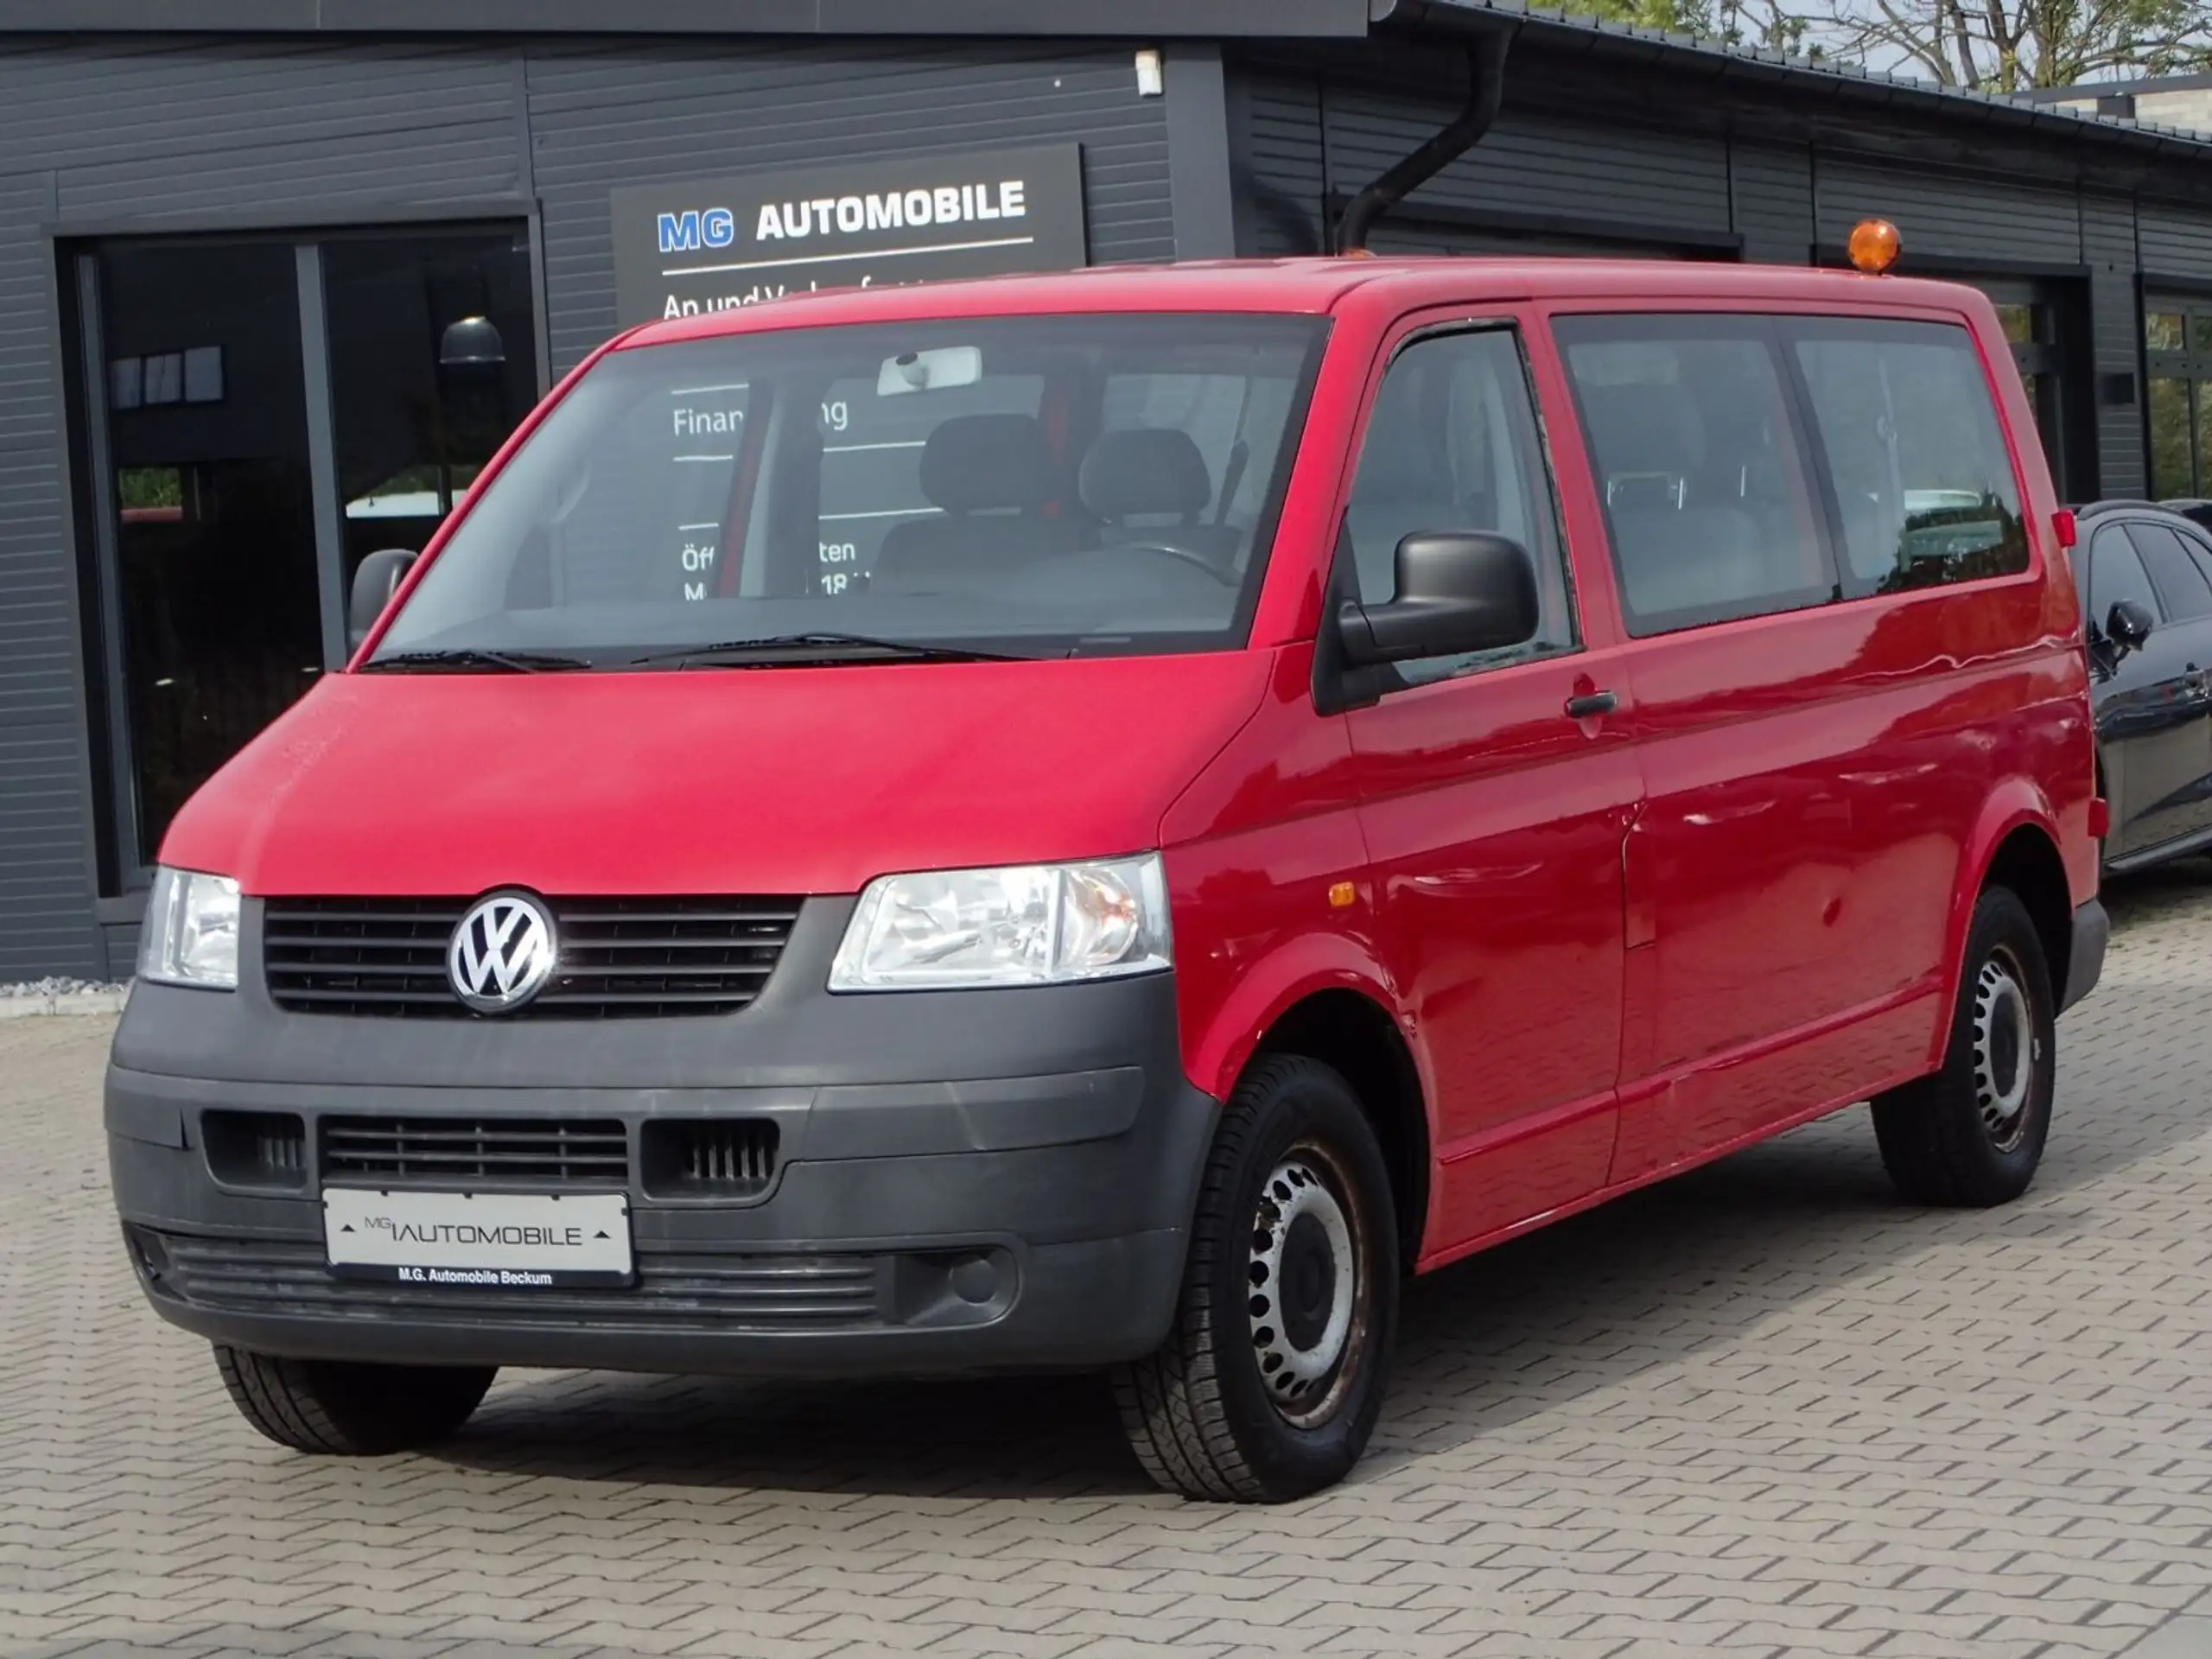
x,y
1675,554
1154,473
990,477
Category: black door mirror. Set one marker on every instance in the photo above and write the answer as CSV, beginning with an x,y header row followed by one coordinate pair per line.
x,y
2129,624
376,579
1457,591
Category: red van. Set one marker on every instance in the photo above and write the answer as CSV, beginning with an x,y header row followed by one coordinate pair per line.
x,y
1101,820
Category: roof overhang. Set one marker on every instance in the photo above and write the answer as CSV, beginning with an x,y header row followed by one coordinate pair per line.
x,y
1089,19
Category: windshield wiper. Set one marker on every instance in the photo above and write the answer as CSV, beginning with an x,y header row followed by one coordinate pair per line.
x,y
464,658
819,648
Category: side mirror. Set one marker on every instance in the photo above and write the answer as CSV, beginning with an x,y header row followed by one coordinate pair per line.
x,y
2129,624
1457,591
376,579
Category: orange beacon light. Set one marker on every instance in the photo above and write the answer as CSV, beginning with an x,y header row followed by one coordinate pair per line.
x,y
1874,246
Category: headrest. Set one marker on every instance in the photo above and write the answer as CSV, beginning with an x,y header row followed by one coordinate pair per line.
x,y
976,461
1145,470
1644,429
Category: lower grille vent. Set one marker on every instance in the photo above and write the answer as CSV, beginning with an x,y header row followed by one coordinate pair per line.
x,y
542,1152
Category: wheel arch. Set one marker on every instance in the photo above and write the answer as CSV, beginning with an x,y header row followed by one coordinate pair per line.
x,y
1350,1032
2016,845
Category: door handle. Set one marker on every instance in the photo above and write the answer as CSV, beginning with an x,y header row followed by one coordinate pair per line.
x,y
1588,705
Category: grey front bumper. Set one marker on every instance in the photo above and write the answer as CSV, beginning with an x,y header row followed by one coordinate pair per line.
x,y
1048,1136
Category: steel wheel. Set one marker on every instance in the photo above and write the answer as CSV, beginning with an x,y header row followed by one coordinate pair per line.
x,y
2006,1050
1309,1301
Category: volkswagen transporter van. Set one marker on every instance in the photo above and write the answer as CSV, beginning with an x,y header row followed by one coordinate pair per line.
x,y
1099,821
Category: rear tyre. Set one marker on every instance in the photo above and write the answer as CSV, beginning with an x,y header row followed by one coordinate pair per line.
x,y
1272,1374
1972,1134
350,1407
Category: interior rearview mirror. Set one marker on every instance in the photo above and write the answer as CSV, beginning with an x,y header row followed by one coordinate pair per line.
x,y
1457,591
931,370
2129,624
376,579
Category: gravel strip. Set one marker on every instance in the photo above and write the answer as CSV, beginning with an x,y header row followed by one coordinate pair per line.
x,y
57,994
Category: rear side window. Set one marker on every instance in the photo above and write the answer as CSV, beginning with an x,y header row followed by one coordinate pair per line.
x,y
2181,583
1708,499
2116,573
1924,491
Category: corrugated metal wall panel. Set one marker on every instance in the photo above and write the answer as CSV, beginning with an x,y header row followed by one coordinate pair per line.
x,y
1956,215
1278,164
603,114
2174,241
1771,187
2116,340
1531,165
173,127
46,924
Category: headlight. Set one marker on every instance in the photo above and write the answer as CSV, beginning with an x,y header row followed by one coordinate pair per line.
x,y
191,933
1029,925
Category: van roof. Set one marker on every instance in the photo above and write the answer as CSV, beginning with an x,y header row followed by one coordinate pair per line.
x,y
1311,287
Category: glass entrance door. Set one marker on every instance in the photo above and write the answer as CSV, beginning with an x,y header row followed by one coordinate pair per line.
x,y
256,414
2034,319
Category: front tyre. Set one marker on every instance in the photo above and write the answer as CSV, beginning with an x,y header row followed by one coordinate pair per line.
x,y
1972,1134
1274,1373
350,1407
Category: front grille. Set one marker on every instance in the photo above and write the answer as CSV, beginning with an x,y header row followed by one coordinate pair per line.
x,y
546,1153
697,1290
619,958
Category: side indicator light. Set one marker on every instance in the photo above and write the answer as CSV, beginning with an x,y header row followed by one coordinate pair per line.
x,y
1874,246
1341,895
2063,524
2100,819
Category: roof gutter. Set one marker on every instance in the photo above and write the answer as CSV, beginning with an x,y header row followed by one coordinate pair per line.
x,y
1485,91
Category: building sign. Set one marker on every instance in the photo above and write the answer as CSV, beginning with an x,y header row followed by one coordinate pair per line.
x,y
708,245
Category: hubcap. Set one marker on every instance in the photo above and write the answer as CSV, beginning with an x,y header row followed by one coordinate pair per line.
x,y
1305,1288
2006,1052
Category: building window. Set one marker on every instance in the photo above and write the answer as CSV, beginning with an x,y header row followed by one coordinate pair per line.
x,y
2177,362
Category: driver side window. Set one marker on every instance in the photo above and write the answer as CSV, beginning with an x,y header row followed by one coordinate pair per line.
x,y
1452,445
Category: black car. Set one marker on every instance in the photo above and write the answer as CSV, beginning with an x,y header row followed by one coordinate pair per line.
x,y
2198,513
2144,574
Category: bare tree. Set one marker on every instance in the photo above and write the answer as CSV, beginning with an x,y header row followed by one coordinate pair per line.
x,y
2008,46
1994,46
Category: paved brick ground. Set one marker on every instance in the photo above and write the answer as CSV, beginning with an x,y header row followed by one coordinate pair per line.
x,y
1766,1409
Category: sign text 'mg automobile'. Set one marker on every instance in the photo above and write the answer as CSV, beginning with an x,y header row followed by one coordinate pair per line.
x,y
883,210
712,243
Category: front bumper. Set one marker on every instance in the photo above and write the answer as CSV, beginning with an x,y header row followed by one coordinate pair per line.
x,y
964,1181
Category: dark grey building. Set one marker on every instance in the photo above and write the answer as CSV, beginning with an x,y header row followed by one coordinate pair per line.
x,y
276,278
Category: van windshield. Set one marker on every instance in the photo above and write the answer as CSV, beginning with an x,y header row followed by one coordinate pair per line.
x,y
1020,487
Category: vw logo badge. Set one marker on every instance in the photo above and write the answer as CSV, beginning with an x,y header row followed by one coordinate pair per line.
x,y
503,952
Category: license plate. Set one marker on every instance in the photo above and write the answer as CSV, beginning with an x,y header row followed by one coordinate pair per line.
x,y
498,1241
